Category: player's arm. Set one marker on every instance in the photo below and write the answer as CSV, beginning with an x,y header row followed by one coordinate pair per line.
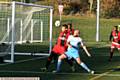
x,y
62,36
68,44
85,49
61,39
110,37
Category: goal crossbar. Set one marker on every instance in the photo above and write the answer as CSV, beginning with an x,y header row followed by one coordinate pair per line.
x,y
34,5
16,26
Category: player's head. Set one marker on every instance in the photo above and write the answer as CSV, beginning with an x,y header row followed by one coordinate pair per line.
x,y
118,26
76,32
69,26
115,28
64,28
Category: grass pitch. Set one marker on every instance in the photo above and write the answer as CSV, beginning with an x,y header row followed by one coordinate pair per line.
x,y
104,70
30,66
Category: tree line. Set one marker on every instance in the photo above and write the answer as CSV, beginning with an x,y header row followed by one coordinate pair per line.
x,y
108,8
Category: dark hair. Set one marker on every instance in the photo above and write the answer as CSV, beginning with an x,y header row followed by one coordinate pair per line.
x,y
116,27
70,25
65,25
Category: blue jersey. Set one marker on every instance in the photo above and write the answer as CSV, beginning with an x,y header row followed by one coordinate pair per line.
x,y
74,41
73,51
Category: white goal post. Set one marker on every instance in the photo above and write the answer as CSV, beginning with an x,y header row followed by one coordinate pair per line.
x,y
23,22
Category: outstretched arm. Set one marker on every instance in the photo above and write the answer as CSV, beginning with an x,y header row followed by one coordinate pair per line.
x,y
86,51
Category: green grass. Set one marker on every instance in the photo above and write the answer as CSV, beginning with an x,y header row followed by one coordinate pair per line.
x,y
98,62
84,24
87,26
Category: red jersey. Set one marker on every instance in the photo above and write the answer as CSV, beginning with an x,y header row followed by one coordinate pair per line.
x,y
115,35
70,32
62,39
60,47
119,37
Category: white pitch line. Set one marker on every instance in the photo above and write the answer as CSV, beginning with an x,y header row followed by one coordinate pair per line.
x,y
22,61
87,74
103,74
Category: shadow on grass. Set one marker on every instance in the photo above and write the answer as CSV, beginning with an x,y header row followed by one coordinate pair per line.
x,y
98,62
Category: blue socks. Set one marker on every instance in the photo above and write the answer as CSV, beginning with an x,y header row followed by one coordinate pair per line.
x,y
58,65
84,66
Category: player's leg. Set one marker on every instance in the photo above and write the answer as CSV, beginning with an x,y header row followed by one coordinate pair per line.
x,y
48,62
71,63
113,45
83,65
60,58
111,54
50,58
55,59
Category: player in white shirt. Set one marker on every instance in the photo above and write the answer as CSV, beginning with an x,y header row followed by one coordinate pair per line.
x,y
74,42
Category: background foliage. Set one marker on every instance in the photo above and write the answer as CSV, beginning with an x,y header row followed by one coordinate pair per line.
x,y
109,8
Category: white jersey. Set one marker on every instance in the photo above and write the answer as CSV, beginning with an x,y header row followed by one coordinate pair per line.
x,y
74,41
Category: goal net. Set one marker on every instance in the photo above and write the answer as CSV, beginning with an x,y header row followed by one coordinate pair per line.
x,y
24,24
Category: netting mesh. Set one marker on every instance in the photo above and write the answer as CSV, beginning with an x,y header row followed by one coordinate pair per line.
x,y
5,16
31,24
31,21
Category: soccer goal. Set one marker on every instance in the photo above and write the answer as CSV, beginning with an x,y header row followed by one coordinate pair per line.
x,y
22,23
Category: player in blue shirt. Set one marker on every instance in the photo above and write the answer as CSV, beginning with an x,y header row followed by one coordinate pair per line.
x,y
74,42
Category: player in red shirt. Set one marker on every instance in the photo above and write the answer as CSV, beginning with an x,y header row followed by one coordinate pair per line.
x,y
115,38
70,30
58,49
